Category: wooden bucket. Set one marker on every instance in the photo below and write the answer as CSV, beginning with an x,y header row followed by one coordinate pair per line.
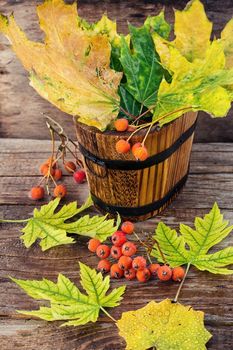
x,y
134,189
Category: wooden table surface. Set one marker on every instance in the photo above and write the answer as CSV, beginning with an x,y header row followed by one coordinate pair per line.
x,y
210,179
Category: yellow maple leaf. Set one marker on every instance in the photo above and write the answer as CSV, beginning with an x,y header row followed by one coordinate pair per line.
x,y
164,325
72,68
227,41
192,29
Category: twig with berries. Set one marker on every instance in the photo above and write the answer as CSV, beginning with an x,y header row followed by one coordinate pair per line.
x,y
51,170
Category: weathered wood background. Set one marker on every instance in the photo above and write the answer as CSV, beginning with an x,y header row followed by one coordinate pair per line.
x,y
211,179
21,153
21,106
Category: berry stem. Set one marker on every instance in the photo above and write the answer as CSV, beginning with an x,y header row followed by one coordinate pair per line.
x,y
160,251
147,133
22,220
181,284
106,313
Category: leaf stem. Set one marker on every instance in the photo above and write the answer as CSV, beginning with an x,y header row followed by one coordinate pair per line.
x,y
107,314
22,220
181,284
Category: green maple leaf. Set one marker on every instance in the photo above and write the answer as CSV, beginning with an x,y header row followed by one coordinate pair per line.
x,y
67,302
51,228
192,245
158,24
142,66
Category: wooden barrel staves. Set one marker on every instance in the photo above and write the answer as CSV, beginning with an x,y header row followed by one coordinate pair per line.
x,y
137,190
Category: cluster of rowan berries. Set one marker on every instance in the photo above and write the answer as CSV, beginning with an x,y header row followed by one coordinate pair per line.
x,y
50,170
128,265
123,146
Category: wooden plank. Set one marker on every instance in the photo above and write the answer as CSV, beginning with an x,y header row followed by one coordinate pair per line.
x,y
201,191
20,104
210,293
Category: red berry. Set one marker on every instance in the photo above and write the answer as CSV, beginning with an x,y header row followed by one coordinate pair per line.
x,y
118,238
122,146
139,263
141,153
135,146
125,262
129,249
131,128
121,124
79,176
36,193
143,275
178,273
60,191
164,273
57,174
93,244
116,272
153,269
70,167
103,251
130,274
104,266
44,169
127,227
116,252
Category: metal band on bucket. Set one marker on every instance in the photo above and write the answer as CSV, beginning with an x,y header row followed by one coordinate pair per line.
x,y
145,209
134,164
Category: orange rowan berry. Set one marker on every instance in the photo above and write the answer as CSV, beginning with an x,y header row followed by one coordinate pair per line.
x,y
44,169
164,273
36,193
143,275
127,227
93,244
60,191
103,251
116,252
129,249
130,274
141,153
122,146
104,266
116,272
121,124
51,162
70,167
153,269
139,263
178,274
57,174
135,146
125,262
118,238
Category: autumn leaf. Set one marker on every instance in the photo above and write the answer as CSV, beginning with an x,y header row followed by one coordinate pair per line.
x,y
198,85
192,30
192,246
158,24
67,302
141,66
73,70
51,227
227,42
164,326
